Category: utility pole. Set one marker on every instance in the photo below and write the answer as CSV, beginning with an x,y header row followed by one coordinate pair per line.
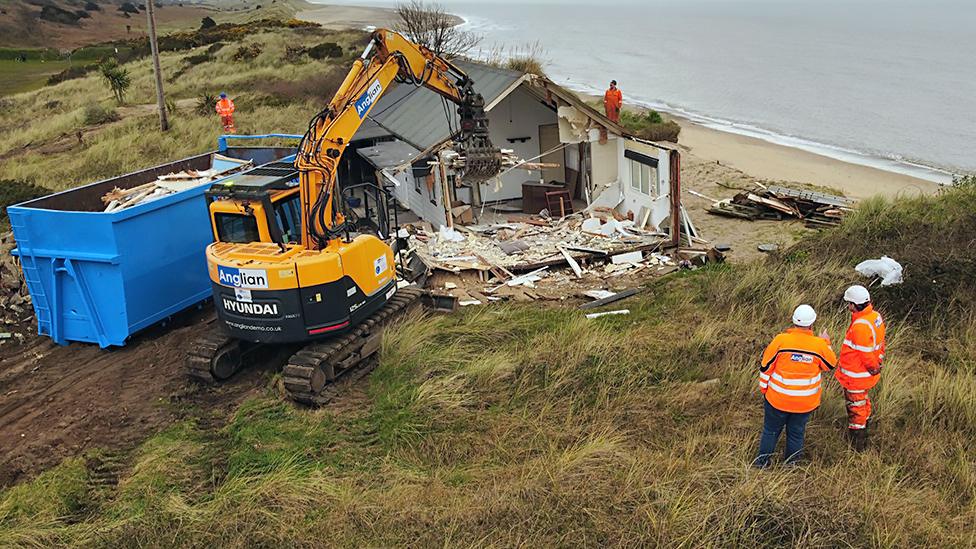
x,y
163,122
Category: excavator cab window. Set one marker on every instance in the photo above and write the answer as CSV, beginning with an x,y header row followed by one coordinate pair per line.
x,y
237,228
289,216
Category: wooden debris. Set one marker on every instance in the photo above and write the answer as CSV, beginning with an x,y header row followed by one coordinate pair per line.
x,y
610,299
777,203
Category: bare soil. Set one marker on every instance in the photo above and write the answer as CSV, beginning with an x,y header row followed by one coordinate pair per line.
x,y
57,402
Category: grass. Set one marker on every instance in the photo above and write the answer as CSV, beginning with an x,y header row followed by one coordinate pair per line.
x,y
31,122
520,425
650,125
18,77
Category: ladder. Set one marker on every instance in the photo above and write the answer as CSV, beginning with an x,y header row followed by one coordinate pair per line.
x,y
32,275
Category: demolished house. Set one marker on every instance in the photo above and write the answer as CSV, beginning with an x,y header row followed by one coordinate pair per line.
x,y
589,196
590,161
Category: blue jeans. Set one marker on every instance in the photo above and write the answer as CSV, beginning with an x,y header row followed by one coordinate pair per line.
x,y
773,423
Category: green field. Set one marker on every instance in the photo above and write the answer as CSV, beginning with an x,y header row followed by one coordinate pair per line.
x,y
17,77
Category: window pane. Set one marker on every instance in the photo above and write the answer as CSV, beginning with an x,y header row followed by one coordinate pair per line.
x,y
635,169
237,228
645,177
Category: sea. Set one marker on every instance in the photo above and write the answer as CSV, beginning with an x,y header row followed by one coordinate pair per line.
x,y
884,83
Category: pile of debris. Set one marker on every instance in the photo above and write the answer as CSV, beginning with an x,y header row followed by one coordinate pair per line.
x,y
530,258
120,199
15,301
778,203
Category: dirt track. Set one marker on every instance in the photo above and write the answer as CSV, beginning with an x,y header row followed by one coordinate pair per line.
x,y
57,402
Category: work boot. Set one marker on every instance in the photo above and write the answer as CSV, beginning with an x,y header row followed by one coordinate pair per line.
x,y
860,439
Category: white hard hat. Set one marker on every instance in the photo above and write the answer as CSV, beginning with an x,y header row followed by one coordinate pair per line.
x,y
857,295
804,316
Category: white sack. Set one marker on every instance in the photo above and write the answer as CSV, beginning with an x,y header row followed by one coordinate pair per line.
x,y
886,268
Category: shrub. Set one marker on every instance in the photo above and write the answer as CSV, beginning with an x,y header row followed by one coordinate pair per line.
x,y
207,23
247,52
15,192
128,7
525,65
55,14
325,50
96,114
650,125
294,54
82,14
206,105
69,73
117,78
299,24
91,6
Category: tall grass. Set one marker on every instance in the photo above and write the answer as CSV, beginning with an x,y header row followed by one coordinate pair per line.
x,y
32,124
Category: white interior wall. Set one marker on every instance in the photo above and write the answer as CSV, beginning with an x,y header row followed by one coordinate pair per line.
x,y
419,202
518,115
605,167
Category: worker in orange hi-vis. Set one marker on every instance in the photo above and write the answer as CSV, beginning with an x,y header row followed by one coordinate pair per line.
x,y
225,108
613,100
859,366
790,381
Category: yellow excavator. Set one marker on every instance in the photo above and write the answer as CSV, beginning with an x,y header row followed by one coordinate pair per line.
x,y
289,269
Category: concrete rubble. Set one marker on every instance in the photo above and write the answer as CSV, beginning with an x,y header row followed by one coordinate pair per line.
x,y
16,310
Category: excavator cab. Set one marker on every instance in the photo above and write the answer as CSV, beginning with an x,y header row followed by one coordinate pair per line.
x,y
259,205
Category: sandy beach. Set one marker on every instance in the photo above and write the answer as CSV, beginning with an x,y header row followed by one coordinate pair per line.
x,y
353,17
346,17
765,160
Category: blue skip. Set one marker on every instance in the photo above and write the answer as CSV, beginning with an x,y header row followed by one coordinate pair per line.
x,y
99,277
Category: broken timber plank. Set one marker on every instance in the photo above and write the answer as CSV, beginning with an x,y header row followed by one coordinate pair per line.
x,y
572,262
607,300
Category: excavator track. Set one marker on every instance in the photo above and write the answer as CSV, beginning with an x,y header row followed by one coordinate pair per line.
x,y
311,376
210,352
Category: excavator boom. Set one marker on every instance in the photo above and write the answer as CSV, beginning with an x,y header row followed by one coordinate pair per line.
x,y
388,58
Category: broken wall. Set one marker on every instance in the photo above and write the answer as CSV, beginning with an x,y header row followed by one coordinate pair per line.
x,y
657,198
416,194
517,116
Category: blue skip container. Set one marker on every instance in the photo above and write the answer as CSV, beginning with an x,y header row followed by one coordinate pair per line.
x,y
100,277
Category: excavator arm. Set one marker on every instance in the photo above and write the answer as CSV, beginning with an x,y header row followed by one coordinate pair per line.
x,y
388,58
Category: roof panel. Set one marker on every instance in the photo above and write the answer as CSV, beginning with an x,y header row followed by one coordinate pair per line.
x,y
417,115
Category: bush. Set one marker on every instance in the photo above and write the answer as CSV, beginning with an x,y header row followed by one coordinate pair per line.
x,y
91,6
82,14
206,105
525,65
294,54
98,114
69,73
299,24
15,192
650,125
245,53
128,7
207,23
117,79
55,14
325,50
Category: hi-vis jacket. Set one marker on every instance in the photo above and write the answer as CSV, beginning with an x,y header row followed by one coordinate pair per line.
x,y
789,375
862,351
225,107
